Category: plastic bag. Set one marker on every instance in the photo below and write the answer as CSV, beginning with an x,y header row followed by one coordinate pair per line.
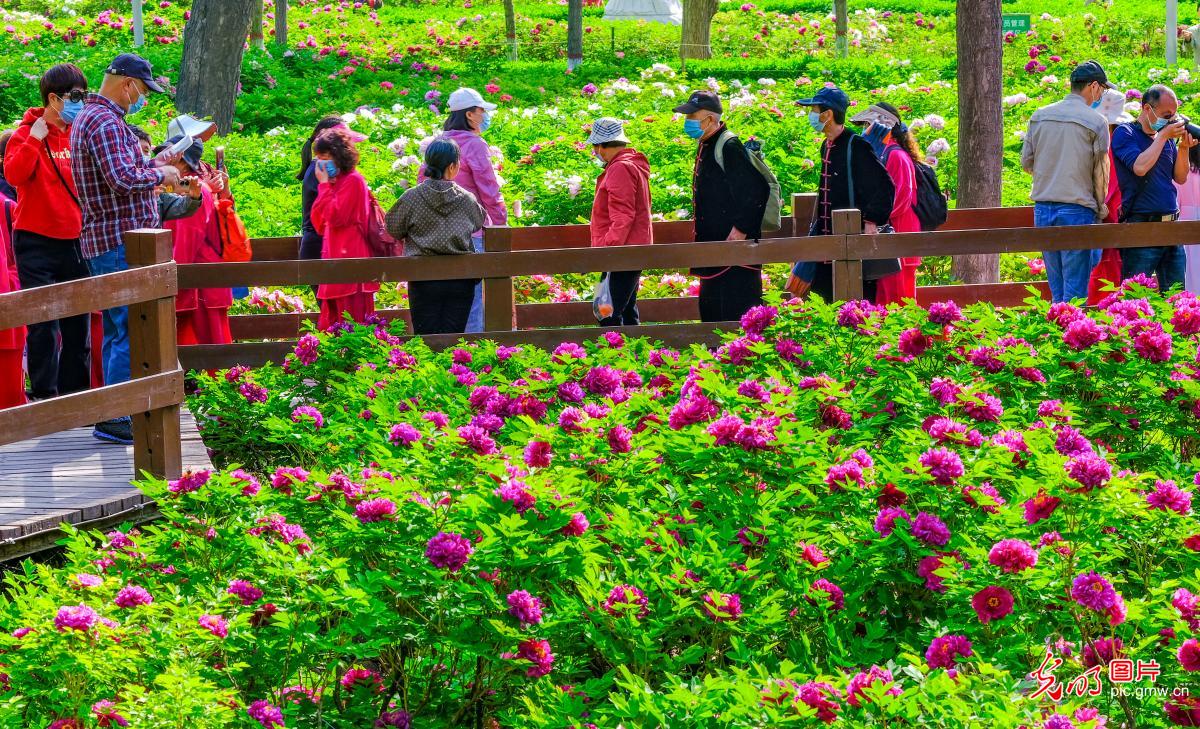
x,y
602,304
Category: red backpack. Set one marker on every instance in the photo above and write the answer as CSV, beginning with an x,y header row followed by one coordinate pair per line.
x,y
379,241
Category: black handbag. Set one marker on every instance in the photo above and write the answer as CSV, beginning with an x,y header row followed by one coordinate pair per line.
x,y
873,269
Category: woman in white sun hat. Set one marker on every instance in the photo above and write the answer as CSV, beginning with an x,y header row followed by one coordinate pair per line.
x,y
1112,108
620,212
470,116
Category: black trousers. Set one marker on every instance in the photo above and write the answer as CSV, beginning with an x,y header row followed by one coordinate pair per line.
x,y
59,351
441,307
310,249
623,287
728,295
823,284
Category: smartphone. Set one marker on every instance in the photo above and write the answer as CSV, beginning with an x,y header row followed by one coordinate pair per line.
x,y
220,156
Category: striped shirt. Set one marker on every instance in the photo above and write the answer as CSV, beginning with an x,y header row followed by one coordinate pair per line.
x,y
116,186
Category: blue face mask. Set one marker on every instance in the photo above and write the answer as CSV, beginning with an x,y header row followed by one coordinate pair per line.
x,y
692,128
138,105
1159,122
70,110
485,122
331,168
814,121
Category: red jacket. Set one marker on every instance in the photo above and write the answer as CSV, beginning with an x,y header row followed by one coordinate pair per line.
x,y
340,216
9,282
197,239
621,210
44,205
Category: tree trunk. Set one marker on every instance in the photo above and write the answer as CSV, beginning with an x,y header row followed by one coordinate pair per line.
x,y
510,29
697,27
281,8
840,13
256,24
574,34
980,123
214,40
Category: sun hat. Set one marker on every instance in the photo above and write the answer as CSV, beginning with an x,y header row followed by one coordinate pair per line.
x,y
189,126
876,114
463,99
1112,107
192,154
607,129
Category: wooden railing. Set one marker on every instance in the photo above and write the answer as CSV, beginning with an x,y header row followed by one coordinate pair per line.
x,y
154,393
563,249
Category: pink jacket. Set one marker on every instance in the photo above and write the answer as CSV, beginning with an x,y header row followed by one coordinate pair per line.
x,y
9,338
904,177
197,239
340,215
476,175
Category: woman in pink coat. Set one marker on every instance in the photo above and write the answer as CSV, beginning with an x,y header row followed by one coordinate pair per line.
x,y
340,214
12,341
898,151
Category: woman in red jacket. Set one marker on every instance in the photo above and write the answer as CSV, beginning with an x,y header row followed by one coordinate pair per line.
x,y
896,148
340,215
12,341
202,315
620,212
37,162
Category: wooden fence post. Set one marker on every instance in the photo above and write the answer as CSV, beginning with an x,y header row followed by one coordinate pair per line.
x,y
157,448
499,313
847,273
804,207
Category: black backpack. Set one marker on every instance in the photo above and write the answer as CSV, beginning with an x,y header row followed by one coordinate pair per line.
x,y
930,206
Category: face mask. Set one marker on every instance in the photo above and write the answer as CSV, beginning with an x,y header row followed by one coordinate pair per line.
x,y
692,128
70,110
331,169
148,158
597,160
814,121
138,105
1159,122
485,122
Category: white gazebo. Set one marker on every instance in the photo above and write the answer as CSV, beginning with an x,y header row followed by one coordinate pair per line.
x,y
655,11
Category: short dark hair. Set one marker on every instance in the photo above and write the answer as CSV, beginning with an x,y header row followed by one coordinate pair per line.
x,y
328,122
141,134
60,79
612,145
439,155
337,144
1155,93
839,115
1077,86
458,122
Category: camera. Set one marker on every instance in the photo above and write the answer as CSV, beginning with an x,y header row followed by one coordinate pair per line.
x,y
1191,128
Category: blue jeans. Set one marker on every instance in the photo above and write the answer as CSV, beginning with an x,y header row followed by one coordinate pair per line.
x,y
1168,262
116,321
475,318
1067,271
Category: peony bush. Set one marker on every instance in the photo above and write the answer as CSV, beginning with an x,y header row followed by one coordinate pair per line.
x,y
842,515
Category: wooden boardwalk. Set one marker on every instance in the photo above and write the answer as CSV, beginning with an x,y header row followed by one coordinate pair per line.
x,y
73,477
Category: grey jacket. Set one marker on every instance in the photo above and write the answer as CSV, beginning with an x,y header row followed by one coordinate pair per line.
x,y
1066,151
174,207
435,218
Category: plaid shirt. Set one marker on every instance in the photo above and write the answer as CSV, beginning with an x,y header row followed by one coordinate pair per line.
x,y
116,186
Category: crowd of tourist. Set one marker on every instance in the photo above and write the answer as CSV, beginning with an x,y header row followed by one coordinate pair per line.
x,y
76,175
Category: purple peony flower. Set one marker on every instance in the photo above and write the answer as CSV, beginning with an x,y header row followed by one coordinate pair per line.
x,y
244,591
1091,470
266,714
131,596
756,320
525,607
404,434
944,465
478,440
253,392
944,312
307,349
1093,592
885,521
307,411
448,550
625,599
930,529
944,651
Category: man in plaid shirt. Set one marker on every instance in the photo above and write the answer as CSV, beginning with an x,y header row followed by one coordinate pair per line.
x,y
117,193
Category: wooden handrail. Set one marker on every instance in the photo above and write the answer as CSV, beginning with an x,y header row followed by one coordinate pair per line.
x,y
59,301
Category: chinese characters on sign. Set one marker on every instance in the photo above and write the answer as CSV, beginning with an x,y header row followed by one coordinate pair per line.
x,y
1014,23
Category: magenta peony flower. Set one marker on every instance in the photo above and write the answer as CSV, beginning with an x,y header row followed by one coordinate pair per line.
x,y
478,440
1093,592
107,716
913,343
1013,555
984,408
1082,333
537,652
885,521
525,607
1189,655
620,439
576,526
1058,721
1040,507
244,591
362,678
307,411
404,434
538,454
820,696
1183,710
944,390
75,617
832,593
86,580
758,319
624,599
374,510
1091,470
214,624
930,529
189,482
448,550
691,410
855,694
944,465
250,485
992,603
844,474
394,720
725,607
1102,651
1169,497
517,494
944,312
131,596
252,392
1153,344
266,714
944,651
812,554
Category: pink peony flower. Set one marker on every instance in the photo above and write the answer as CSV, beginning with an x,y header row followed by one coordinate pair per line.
x,y
525,607
214,624
944,465
266,714
244,591
1169,497
1090,470
724,608
1013,555
625,599
1093,592
992,603
1189,655
131,596
576,526
447,550
538,454
930,529
855,694
75,617
832,594
374,510
944,651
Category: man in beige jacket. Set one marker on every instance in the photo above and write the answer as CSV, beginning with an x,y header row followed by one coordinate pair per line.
x,y
1066,151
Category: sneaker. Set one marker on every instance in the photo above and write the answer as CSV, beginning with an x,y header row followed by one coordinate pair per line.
x,y
119,430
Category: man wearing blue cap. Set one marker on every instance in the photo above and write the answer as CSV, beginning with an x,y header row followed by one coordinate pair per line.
x,y
851,177
116,194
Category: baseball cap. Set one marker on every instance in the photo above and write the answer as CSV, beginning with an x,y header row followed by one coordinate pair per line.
x,y
1089,71
876,114
132,65
706,100
463,99
831,97
188,125
192,154
607,129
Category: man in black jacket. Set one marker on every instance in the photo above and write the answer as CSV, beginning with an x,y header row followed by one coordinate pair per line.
x,y
729,197
873,189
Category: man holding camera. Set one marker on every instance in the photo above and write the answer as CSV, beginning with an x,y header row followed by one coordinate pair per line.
x,y
1066,151
1151,156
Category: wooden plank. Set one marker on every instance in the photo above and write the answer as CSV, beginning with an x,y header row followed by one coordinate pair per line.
x,y
88,407
152,352
847,275
57,301
1002,294
498,306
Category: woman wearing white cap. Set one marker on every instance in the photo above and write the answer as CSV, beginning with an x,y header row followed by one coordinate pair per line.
x,y
470,116
1108,270
620,212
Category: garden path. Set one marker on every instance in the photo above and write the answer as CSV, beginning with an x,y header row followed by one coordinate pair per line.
x,y
72,477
